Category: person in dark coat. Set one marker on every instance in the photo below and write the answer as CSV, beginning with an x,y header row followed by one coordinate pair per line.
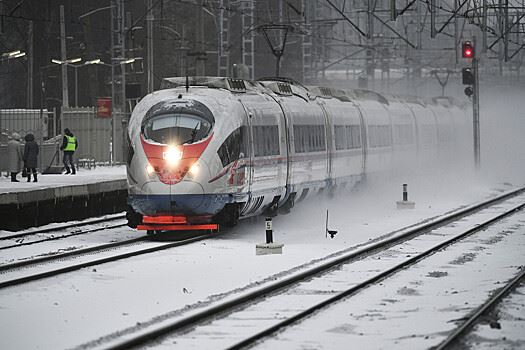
x,y
30,156
69,146
14,155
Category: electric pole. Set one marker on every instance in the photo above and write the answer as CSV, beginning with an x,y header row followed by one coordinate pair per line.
x,y
65,96
471,78
149,20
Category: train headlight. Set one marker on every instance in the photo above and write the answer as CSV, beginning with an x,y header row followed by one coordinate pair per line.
x,y
195,169
172,155
150,169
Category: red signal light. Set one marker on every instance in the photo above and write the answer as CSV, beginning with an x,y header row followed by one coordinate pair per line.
x,y
468,50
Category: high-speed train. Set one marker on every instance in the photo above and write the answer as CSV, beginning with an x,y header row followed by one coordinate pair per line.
x,y
209,150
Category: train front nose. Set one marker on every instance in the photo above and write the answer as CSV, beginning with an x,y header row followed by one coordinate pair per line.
x,y
174,136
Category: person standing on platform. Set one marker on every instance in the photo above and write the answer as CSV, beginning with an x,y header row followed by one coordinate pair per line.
x,y
69,146
30,156
14,154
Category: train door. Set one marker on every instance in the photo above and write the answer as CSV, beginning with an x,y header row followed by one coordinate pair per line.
x,y
364,139
248,114
284,139
329,144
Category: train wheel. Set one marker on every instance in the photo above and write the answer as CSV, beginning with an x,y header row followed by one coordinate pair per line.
x,y
229,215
150,232
133,217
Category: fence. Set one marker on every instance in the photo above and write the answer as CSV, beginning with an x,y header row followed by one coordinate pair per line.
x,y
93,134
24,121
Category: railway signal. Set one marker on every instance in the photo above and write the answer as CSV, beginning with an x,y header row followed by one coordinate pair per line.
x,y
468,49
468,79
471,78
468,76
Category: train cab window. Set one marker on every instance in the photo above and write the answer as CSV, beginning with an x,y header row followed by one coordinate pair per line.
x,y
234,147
176,129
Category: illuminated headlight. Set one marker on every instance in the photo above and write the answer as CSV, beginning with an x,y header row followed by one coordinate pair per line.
x,y
172,155
195,170
150,169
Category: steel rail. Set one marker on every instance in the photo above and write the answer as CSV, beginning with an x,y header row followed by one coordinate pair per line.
x,y
62,236
480,311
62,227
379,277
216,310
51,273
47,258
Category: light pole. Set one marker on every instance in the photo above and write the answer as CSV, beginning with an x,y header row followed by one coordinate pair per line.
x,y
77,66
12,55
122,63
64,76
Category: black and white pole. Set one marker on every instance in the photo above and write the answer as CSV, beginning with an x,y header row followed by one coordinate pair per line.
x,y
269,247
269,233
405,203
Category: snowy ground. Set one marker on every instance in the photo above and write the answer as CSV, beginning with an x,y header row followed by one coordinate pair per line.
x,y
99,303
504,328
420,305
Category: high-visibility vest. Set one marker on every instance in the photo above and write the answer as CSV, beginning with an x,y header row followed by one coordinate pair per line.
x,y
71,143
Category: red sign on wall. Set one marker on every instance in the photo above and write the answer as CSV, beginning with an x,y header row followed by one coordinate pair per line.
x,y
104,107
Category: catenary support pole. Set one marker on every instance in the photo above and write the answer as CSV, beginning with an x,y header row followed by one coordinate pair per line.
x,y
65,96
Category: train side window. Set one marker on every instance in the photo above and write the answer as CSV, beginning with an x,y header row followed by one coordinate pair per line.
x,y
380,135
347,137
299,133
309,138
266,140
233,146
322,138
355,136
428,134
444,133
340,137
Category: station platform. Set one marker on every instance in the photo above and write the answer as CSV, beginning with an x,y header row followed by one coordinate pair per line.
x,y
59,197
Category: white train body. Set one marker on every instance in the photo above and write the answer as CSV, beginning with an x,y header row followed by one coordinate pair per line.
x,y
221,149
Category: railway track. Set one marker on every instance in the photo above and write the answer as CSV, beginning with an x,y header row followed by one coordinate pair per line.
x,y
62,231
481,311
269,297
23,271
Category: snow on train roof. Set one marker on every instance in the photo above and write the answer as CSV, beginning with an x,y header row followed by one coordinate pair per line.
x,y
286,86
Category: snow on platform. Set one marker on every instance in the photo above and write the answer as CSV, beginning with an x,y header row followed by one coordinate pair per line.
x,y
58,198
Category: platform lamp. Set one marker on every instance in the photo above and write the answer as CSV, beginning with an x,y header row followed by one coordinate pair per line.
x,y
64,77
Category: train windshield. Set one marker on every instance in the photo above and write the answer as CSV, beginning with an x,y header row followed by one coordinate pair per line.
x,y
176,129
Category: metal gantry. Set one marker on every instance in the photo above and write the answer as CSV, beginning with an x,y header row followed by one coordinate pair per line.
x,y
224,37
413,34
248,37
118,93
